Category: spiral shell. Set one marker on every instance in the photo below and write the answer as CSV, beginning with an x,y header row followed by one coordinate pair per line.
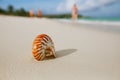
x,y
43,47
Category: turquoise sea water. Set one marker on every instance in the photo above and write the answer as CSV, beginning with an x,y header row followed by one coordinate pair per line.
x,y
101,19
109,24
106,21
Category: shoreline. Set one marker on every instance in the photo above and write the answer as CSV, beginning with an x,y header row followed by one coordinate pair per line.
x,y
83,21
91,25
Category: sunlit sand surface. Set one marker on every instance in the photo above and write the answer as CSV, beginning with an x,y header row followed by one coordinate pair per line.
x,y
83,52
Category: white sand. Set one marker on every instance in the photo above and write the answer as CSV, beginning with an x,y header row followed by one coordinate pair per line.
x,y
84,52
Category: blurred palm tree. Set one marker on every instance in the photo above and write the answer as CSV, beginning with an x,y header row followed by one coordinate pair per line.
x,y
10,9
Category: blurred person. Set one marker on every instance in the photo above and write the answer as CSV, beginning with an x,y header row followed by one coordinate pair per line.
x,y
74,12
39,14
31,13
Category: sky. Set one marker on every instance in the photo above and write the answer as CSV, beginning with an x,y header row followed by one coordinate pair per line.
x,y
93,8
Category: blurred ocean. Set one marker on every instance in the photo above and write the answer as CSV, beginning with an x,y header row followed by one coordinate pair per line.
x,y
106,21
101,19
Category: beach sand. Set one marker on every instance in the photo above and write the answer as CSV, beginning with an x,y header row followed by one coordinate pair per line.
x,y
83,52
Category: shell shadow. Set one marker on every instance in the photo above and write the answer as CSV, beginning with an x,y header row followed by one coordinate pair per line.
x,y
65,52
61,53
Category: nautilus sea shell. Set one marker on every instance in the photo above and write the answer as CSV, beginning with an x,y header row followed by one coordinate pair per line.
x,y
43,47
